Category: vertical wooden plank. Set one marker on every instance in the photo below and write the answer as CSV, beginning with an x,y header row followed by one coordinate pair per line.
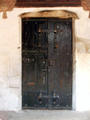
x,y
60,51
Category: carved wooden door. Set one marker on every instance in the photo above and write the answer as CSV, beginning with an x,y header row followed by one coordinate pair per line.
x,y
47,63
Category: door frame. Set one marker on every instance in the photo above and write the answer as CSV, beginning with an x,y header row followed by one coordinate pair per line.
x,y
61,14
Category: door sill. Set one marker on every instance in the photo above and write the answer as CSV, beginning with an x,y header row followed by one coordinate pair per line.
x,y
47,108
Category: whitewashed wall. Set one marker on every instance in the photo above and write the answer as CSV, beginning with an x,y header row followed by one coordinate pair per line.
x,y
10,60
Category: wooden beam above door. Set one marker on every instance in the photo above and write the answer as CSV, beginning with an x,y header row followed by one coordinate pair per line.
x,y
47,3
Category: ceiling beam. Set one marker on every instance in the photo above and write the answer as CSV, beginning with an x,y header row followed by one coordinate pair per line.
x,y
47,3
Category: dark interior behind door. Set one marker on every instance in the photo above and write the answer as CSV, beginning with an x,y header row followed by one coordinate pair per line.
x,y
46,63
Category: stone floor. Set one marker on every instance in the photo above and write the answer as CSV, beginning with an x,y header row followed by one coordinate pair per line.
x,y
45,115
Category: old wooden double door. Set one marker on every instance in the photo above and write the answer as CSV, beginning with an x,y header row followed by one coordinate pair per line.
x,y
46,63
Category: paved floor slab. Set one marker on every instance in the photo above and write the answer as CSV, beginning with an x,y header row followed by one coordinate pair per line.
x,y
45,115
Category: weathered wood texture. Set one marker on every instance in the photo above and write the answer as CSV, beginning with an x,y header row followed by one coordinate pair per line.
x,y
47,3
47,63
63,14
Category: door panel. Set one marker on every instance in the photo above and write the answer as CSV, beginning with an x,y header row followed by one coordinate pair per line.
x,y
34,63
60,57
47,63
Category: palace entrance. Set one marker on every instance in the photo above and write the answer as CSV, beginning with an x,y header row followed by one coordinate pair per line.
x,y
47,63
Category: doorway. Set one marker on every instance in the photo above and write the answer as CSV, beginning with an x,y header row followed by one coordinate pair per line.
x,y
47,63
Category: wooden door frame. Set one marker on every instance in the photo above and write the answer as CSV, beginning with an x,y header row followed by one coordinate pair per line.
x,y
61,14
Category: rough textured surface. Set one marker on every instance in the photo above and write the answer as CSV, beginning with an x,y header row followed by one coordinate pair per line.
x,y
51,13
45,115
10,59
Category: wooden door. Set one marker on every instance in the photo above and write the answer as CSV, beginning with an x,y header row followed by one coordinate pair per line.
x,y
60,63
47,63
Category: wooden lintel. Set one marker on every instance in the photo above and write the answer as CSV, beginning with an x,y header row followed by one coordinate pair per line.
x,y
50,14
51,3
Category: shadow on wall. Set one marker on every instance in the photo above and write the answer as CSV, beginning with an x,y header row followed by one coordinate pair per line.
x,y
83,45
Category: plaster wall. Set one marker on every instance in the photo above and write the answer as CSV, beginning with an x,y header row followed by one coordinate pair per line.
x,y
10,59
